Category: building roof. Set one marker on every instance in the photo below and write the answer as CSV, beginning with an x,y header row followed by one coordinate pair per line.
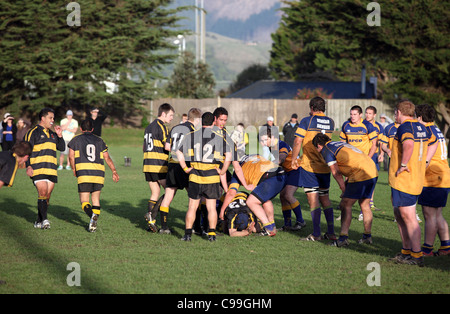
x,y
288,89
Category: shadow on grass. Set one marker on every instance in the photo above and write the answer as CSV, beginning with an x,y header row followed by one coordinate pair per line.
x,y
40,253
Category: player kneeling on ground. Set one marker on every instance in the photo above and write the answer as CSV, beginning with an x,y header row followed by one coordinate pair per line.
x,y
86,154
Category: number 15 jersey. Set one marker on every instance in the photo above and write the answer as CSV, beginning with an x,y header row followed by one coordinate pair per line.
x,y
89,162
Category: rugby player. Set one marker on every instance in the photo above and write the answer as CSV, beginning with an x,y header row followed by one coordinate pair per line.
x,y
176,178
156,160
436,188
11,160
87,152
361,177
412,150
42,164
204,149
314,172
288,201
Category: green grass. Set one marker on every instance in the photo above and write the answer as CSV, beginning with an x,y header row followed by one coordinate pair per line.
x,y
121,257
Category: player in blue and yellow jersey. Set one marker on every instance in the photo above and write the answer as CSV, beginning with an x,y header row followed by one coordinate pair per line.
x,y
413,148
314,171
204,149
11,160
283,154
87,153
156,159
370,115
360,134
42,164
268,179
361,176
176,178
436,188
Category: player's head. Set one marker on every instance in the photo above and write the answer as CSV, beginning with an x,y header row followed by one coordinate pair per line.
x,y
317,104
22,150
194,115
220,117
320,140
46,117
207,119
355,114
404,109
166,112
426,113
86,125
265,136
370,113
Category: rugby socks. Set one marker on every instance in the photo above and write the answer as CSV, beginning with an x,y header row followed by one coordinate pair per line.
x,y
42,208
87,208
445,247
329,217
151,204
96,210
297,209
366,235
270,226
427,249
416,255
315,216
343,237
211,232
286,210
406,252
164,211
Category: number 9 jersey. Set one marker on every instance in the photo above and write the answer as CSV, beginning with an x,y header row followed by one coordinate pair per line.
x,y
89,162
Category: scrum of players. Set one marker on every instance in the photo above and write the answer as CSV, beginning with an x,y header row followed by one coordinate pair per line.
x,y
231,193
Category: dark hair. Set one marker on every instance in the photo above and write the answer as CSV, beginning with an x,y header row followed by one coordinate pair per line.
x,y
356,108
165,108
427,112
22,148
86,125
265,130
372,108
320,139
44,112
220,111
317,104
207,119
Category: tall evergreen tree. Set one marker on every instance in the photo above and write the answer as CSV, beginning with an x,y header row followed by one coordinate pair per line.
x,y
46,62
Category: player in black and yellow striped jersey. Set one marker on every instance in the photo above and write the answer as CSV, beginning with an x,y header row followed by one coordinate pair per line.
x,y
87,153
204,149
11,160
42,164
156,160
176,178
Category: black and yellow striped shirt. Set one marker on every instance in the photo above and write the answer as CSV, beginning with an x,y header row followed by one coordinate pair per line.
x,y
204,149
89,162
155,156
43,157
8,167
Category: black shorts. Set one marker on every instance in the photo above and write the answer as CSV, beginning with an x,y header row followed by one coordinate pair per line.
x,y
153,176
209,191
89,187
176,177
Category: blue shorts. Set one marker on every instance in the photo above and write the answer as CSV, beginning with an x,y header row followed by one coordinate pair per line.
x,y
360,190
400,199
314,180
293,177
433,197
269,188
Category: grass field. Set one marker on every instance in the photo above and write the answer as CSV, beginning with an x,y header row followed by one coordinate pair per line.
x,y
121,257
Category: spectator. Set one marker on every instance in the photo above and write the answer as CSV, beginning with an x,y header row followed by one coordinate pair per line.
x,y
22,128
97,120
289,130
9,132
69,127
